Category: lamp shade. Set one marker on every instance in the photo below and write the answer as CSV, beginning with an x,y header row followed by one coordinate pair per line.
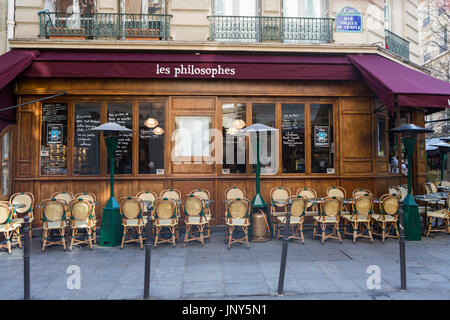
x,y
158,131
111,126
446,139
238,124
151,123
258,127
410,128
442,145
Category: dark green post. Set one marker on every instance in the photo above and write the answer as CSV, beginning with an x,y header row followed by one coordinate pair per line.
x,y
443,154
111,229
410,207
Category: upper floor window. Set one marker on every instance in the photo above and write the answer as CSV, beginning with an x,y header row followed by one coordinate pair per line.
x,y
236,7
444,41
387,15
145,6
70,6
305,8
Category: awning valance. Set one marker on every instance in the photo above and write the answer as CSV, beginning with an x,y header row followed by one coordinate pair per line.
x,y
398,85
13,63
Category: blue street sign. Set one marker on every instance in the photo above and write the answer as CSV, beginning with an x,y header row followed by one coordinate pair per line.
x,y
349,20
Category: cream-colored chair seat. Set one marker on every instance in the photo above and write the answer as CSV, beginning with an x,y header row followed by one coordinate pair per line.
x,y
387,217
14,227
167,222
82,224
52,225
357,217
238,222
328,219
293,220
438,213
196,220
133,222
279,214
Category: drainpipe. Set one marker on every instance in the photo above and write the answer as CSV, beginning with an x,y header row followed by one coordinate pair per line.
x,y
10,23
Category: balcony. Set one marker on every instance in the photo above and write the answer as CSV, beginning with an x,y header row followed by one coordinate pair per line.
x,y
62,25
397,44
277,29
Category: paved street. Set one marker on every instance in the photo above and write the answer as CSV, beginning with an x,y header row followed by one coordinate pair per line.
x,y
314,271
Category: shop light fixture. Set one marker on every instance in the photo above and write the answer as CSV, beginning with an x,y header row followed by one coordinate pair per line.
x,y
151,123
158,131
238,124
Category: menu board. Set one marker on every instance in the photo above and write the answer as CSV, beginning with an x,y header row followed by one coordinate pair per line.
x,y
122,114
86,142
54,112
292,130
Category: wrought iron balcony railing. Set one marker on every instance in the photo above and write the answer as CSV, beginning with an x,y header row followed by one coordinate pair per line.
x,y
100,25
260,28
397,44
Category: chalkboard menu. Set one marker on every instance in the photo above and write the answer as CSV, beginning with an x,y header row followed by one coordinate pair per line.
x,y
86,142
293,138
121,113
54,139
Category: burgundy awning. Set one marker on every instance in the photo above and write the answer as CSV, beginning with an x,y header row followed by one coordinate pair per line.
x,y
398,85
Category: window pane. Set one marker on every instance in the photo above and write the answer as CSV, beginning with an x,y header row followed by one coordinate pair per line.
x,y
393,142
86,159
293,137
235,8
192,138
381,138
6,163
322,140
264,113
54,139
122,113
405,117
151,145
233,145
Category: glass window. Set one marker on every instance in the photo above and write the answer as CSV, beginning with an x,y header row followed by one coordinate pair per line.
x,y
405,117
264,113
322,140
381,133
192,136
236,7
233,119
293,138
54,139
393,142
86,158
122,113
6,163
305,8
151,144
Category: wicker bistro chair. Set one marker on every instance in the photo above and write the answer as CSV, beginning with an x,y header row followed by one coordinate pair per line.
x,y
81,217
147,196
338,192
238,214
195,216
312,209
8,228
388,217
298,209
66,197
131,210
278,196
232,193
427,188
360,217
53,218
175,195
433,187
329,215
165,211
433,217
93,199
27,199
361,192
445,183
205,196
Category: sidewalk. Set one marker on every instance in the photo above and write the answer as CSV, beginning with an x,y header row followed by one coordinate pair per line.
x,y
314,271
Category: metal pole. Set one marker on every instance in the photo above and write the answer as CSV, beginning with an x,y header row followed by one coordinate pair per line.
x,y
148,250
26,258
402,250
285,248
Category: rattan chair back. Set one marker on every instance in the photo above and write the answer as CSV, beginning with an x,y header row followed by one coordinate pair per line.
x,y
427,188
193,206
279,193
403,192
363,205
361,192
445,183
86,196
433,187
201,193
67,197
130,208
5,212
164,209
25,198
335,191
331,206
299,205
53,210
147,196
238,208
234,193
309,193
389,204
170,194
81,209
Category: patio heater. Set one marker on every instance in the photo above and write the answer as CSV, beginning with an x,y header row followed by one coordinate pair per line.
x,y
258,202
111,229
410,207
443,148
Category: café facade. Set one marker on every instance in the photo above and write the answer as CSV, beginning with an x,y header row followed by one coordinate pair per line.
x,y
333,112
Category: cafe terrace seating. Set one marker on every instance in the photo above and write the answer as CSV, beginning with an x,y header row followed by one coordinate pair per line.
x,y
338,192
360,219
147,196
53,218
232,193
387,219
93,200
330,209
298,209
433,217
8,228
238,213
27,199
278,196
131,210
165,211
175,195
312,209
81,217
194,215
205,196
445,183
